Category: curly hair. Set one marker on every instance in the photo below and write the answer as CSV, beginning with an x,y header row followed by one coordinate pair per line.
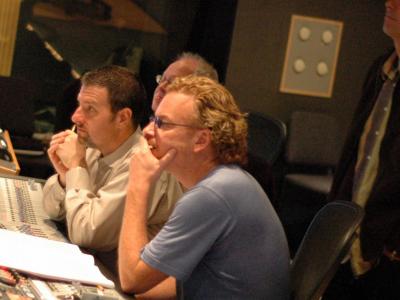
x,y
217,111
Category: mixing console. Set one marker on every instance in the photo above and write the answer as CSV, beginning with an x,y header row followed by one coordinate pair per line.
x,y
14,286
21,209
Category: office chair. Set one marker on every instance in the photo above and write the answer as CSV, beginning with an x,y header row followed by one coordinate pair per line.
x,y
266,138
325,245
311,152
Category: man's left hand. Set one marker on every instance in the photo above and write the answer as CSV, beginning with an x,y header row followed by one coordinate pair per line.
x,y
72,151
145,168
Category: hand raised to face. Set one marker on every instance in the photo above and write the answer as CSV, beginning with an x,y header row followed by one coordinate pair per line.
x,y
71,151
145,168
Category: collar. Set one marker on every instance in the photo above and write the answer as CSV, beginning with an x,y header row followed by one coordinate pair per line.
x,y
390,68
123,148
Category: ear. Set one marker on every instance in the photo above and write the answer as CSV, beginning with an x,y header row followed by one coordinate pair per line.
x,y
124,116
202,140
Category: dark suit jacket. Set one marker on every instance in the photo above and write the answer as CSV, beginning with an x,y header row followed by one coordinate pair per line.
x,y
381,225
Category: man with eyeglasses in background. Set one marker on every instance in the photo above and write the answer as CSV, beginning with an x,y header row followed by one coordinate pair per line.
x,y
185,64
223,239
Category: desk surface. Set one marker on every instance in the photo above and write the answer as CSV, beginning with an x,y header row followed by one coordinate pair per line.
x,y
35,288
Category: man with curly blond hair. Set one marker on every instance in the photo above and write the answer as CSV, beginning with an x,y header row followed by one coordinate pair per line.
x,y
223,239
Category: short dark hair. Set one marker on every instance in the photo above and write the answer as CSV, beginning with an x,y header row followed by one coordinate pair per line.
x,y
125,89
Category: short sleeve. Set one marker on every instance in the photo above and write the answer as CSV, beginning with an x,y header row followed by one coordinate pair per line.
x,y
198,221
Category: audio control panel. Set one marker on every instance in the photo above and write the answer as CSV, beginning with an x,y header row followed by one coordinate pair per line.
x,y
14,286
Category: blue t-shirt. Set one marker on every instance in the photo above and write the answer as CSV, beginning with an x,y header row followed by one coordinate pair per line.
x,y
224,241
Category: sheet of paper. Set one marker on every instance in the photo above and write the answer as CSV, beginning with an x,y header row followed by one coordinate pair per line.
x,y
49,259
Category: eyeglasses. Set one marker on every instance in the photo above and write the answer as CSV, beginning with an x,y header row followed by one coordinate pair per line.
x,y
161,79
160,123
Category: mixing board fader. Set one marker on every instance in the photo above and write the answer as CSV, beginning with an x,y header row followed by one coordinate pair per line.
x,y
21,209
21,201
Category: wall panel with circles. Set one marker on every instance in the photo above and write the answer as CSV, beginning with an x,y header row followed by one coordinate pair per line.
x,y
311,56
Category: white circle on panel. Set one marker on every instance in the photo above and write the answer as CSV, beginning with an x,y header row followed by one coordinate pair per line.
x,y
322,69
299,65
304,33
327,37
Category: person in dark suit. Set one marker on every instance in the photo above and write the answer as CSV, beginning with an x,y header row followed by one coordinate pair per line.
x,y
368,173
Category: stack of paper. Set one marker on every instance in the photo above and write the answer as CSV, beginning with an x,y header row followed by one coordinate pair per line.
x,y
49,259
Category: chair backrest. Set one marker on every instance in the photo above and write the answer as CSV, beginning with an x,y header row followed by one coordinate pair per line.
x,y
266,136
324,246
312,139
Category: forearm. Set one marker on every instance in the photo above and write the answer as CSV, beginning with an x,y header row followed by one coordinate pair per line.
x,y
94,218
135,275
133,236
165,290
93,222
53,198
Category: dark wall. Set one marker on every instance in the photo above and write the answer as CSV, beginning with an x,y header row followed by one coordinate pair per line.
x,y
211,32
258,51
202,26
253,60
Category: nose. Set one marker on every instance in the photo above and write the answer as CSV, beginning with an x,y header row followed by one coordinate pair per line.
x,y
148,131
77,116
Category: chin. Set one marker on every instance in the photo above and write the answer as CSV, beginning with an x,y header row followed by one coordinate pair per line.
x,y
156,154
89,142
393,34
83,136
82,133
